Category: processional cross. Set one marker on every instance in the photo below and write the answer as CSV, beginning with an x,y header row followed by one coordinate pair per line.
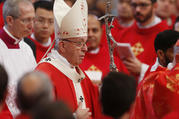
x,y
109,36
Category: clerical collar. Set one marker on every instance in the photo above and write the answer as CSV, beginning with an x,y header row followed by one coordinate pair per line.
x,y
54,54
44,44
16,40
155,21
96,51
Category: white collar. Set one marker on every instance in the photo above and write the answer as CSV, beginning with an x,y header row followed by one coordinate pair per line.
x,y
64,66
16,40
155,66
54,54
170,65
44,44
155,21
95,51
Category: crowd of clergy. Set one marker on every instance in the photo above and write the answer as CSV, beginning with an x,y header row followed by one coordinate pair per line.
x,y
55,59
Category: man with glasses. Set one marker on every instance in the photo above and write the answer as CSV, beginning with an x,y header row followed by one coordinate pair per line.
x,y
125,19
141,36
62,65
15,55
42,36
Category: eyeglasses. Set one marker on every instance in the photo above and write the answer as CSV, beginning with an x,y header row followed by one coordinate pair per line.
x,y
26,20
141,5
44,20
78,44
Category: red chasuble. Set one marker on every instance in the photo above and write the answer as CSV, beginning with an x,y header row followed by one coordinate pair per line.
x,y
100,62
64,89
172,115
158,95
142,41
40,49
152,68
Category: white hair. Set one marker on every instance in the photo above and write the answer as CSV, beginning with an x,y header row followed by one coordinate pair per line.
x,y
11,8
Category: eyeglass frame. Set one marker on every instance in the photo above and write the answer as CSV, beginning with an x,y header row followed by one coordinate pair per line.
x,y
44,20
25,20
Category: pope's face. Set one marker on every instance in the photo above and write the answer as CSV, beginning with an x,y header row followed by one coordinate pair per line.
x,y
74,50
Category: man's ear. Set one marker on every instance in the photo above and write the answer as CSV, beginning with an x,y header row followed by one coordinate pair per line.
x,y
161,57
9,20
160,54
61,46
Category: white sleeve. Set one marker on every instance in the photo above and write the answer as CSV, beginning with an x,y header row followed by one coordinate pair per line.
x,y
144,68
34,62
1,58
31,56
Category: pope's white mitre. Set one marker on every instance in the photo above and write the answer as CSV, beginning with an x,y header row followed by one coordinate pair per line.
x,y
70,22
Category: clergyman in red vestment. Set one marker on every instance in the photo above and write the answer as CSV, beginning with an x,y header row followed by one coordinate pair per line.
x,y
62,65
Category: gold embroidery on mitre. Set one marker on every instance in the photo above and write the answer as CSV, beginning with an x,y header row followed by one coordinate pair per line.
x,y
94,68
137,48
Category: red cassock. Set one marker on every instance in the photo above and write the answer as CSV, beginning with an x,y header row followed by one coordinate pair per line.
x,y
101,61
158,95
64,89
40,50
142,41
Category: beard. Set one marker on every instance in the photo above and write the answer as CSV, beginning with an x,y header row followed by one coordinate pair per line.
x,y
143,18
